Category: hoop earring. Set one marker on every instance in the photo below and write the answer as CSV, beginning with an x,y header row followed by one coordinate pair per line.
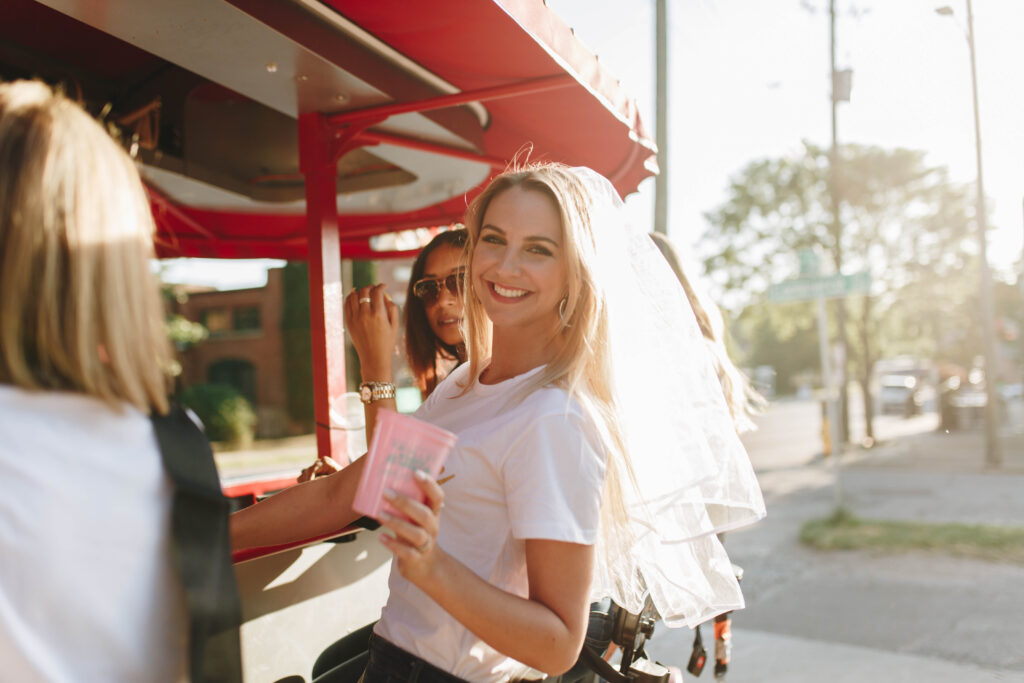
x,y
561,311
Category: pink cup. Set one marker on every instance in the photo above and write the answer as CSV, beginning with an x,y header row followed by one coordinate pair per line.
x,y
401,445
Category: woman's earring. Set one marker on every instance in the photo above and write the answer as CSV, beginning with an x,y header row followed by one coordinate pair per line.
x,y
561,311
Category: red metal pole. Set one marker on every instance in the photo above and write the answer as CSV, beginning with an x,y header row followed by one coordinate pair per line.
x,y
325,296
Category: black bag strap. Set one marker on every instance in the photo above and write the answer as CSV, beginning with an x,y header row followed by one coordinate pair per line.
x,y
202,549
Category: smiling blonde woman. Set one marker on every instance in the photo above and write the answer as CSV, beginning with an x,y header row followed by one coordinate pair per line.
x,y
590,460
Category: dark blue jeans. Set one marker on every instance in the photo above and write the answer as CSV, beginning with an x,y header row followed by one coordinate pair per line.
x,y
391,664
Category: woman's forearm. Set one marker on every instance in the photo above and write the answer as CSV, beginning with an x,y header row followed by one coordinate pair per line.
x,y
370,410
544,631
372,321
303,511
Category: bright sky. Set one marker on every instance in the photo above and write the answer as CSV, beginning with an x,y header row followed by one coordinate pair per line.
x,y
750,79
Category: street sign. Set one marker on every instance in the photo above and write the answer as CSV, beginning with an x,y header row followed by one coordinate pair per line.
x,y
823,287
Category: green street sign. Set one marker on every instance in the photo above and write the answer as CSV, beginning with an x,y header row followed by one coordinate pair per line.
x,y
824,287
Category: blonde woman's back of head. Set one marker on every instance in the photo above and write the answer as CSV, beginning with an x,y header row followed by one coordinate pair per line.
x,y
79,307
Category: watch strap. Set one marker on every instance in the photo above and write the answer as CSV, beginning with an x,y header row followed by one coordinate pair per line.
x,y
377,391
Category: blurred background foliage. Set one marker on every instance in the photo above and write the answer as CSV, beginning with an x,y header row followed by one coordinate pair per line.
x,y
902,220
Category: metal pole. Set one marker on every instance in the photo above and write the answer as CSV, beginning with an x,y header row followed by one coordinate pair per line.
x,y
993,452
832,69
837,227
830,395
325,296
661,125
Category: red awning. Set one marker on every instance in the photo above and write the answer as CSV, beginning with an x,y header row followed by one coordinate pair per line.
x,y
231,78
478,45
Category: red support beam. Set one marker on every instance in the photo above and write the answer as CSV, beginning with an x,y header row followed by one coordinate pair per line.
x,y
162,206
379,138
325,295
382,112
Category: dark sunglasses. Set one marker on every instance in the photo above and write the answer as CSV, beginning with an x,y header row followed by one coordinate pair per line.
x,y
429,289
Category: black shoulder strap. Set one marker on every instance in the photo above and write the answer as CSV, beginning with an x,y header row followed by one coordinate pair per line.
x,y
202,549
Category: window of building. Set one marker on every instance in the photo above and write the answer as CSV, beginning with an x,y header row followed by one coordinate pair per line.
x,y
240,374
216,320
247,319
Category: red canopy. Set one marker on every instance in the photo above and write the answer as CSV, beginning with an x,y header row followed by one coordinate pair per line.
x,y
424,101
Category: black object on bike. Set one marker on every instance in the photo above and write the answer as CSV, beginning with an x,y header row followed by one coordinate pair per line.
x,y
699,655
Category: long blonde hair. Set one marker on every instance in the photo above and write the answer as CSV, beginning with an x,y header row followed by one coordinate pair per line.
x,y
740,396
79,306
581,365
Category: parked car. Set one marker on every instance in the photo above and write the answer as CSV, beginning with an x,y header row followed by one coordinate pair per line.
x,y
900,395
1012,392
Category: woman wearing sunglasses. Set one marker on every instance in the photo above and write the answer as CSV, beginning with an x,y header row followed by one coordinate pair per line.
x,y
433,316
433,334
595,456
433,310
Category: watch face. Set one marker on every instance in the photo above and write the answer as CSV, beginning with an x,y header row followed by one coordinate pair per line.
x,y
365,393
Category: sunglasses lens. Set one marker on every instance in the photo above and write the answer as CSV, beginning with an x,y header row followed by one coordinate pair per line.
x,y
455,282
428,290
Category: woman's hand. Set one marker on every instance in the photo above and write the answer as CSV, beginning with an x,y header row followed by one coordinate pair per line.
x,y
414,542
321,467
372,322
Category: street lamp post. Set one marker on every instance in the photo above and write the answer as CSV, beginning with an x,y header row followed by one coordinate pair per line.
x,y
993,452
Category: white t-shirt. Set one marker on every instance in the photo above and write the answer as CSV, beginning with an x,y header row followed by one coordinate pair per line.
x,y
527,470
88,591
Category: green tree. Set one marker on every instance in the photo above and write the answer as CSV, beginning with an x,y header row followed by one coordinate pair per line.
x,y
783,337
298,345
901,220
182,332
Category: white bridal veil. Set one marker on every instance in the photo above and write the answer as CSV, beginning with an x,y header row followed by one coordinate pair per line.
x,y
693,477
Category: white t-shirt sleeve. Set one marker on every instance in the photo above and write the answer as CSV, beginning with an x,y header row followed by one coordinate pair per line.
x,y
554,476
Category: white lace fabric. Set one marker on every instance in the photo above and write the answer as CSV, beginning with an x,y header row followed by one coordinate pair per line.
x,y
693,478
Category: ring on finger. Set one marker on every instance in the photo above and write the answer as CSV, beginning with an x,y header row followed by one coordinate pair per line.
x,y
364,300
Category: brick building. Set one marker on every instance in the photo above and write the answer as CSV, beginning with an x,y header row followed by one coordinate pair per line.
x,y
246,347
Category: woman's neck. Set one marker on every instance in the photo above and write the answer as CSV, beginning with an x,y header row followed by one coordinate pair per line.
x,y
512,355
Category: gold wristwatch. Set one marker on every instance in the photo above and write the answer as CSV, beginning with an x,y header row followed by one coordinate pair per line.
x,y
375,391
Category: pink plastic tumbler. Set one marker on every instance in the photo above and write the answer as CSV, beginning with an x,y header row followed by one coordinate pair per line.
x,y
401,445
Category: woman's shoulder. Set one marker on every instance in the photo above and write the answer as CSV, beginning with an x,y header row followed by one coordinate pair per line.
x,y
554,400
64,407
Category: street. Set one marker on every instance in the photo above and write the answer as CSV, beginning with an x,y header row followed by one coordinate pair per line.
x,y
854,615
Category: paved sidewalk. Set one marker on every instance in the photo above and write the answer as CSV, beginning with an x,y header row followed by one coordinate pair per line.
x,y
856,616
934,451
